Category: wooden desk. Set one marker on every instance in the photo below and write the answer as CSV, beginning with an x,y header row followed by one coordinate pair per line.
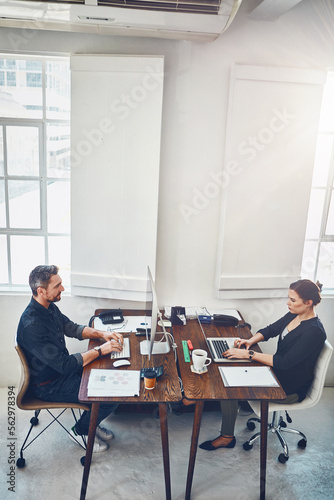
x,y
167,390
209,386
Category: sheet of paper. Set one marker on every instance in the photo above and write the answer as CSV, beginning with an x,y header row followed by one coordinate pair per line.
x,y
113,383
247,376
130,324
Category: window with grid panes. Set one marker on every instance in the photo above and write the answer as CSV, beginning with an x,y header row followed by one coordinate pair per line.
x,y
34,167
318,258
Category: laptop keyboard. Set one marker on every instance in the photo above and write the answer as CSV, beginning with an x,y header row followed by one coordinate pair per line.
x,y
220,347
125,353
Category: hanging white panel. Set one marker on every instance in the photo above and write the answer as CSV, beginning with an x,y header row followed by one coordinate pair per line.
x,y
270,145
115,146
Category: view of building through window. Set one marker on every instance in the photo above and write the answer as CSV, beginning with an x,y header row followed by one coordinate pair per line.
x,y
34,166
318,258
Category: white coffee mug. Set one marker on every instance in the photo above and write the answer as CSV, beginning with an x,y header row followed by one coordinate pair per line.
x,y
200,359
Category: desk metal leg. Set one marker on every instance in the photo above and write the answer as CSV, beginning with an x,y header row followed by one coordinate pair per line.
x,y
193,447
89,450
263,457
165,447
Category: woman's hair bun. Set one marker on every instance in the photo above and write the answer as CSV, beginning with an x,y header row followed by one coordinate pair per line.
x,y
308,290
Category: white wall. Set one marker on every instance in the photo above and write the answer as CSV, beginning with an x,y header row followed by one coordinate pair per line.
x,y
192,147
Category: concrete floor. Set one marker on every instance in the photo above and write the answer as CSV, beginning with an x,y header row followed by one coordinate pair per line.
x,y
132,468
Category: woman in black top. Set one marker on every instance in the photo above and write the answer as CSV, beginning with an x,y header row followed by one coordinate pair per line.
x,y
301,337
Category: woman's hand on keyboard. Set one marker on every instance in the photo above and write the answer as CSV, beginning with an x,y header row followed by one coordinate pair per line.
x,y
238,343
236,353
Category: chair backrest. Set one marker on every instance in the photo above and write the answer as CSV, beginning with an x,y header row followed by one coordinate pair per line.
x,y
26,400
25,378
320,371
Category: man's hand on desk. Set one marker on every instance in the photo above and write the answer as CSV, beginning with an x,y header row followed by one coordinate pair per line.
x,y
101,350
112,336
92,333
110,346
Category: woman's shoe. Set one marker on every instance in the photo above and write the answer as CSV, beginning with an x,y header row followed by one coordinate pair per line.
x,y
207,445
187,402
181,406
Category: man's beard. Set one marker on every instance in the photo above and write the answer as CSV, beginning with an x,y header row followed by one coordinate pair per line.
x,y
56,299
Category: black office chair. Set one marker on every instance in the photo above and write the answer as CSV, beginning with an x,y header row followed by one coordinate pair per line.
x,y
26,400
278,425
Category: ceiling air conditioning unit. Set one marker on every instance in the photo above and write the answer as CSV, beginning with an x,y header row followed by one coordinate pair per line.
x,y
200,20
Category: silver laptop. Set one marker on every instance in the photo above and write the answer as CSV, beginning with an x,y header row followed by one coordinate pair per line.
x,y
218,345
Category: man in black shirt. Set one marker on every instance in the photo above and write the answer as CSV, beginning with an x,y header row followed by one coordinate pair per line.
x,y
56,374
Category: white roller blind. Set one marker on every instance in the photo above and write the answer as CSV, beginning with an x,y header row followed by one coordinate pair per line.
x,y
115,154
270,144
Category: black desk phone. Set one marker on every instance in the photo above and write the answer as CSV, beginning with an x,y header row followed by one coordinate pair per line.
x,y
110,317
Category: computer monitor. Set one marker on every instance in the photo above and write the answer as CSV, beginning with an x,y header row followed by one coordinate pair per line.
x,y
151,345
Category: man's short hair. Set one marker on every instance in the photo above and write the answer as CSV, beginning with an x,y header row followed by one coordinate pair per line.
x,y
40,276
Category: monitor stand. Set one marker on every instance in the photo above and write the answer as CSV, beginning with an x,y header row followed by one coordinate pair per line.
x,y
162,347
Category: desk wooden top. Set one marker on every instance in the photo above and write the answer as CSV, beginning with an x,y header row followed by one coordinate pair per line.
x,y
167,387
209,386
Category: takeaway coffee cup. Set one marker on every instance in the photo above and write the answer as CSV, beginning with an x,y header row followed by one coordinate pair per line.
x,y
200,360
149,379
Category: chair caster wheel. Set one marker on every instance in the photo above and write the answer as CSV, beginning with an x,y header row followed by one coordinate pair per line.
x,y
251,426
20,463
302,444
247,446
82,461
34,421
282,458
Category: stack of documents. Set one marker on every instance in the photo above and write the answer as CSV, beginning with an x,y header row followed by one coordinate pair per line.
x,y
247,376
113,383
